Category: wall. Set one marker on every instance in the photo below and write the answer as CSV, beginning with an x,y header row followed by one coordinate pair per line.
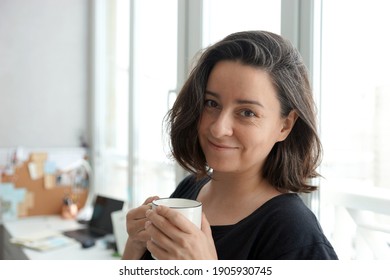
x,y
43,73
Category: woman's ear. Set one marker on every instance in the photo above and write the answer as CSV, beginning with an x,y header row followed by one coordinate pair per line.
x,y
288,124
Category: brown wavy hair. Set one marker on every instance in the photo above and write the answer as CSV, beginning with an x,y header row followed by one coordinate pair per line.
x,y
291,163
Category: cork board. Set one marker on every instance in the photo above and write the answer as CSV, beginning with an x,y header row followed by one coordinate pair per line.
x,y
40,200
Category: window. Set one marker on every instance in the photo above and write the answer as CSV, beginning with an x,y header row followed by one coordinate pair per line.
x,y
222,17
355,92
153,77
111,98
355,87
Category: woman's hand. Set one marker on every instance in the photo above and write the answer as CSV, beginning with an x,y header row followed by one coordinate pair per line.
x,y
135,225
173,236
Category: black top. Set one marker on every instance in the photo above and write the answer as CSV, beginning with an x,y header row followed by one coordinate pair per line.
x,y
283,228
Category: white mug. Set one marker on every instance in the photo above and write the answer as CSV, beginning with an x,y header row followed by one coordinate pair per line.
x,y
189,208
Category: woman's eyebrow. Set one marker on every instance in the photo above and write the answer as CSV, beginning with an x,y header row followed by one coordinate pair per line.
x,y
212,93
252,102
238,101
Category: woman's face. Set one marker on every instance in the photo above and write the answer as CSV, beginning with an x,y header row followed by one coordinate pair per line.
x,y
241,120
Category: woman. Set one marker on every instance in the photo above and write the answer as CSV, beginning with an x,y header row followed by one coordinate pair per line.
x,y
244,126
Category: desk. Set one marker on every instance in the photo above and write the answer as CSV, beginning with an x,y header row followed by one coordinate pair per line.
x,y
38,223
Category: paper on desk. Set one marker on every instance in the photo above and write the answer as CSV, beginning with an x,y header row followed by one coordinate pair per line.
x,y
43,240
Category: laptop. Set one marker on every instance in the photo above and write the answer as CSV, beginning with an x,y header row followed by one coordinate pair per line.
x,y
100,223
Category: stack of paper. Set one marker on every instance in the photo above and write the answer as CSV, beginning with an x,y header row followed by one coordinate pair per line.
x,y
43,241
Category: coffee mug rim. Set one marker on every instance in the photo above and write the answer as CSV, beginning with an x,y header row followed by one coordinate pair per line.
x,y
199,204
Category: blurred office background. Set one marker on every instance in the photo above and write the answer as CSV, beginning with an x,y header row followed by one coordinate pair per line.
x,y
99,75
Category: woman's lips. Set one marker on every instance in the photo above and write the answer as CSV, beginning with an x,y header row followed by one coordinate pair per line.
x,y
221,146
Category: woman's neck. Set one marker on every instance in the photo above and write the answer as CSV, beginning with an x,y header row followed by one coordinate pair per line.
x,y
228,199
223,184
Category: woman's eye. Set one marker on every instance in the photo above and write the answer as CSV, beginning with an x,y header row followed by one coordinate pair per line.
x,y
211,103
247,113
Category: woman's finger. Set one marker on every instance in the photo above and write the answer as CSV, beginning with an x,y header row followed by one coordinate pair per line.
x,y
160,245
174,218
150,199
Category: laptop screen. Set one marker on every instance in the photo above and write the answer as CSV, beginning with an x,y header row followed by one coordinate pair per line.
x,y
100,222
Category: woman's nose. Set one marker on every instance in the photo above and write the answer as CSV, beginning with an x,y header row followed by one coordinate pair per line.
x,y
222,125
